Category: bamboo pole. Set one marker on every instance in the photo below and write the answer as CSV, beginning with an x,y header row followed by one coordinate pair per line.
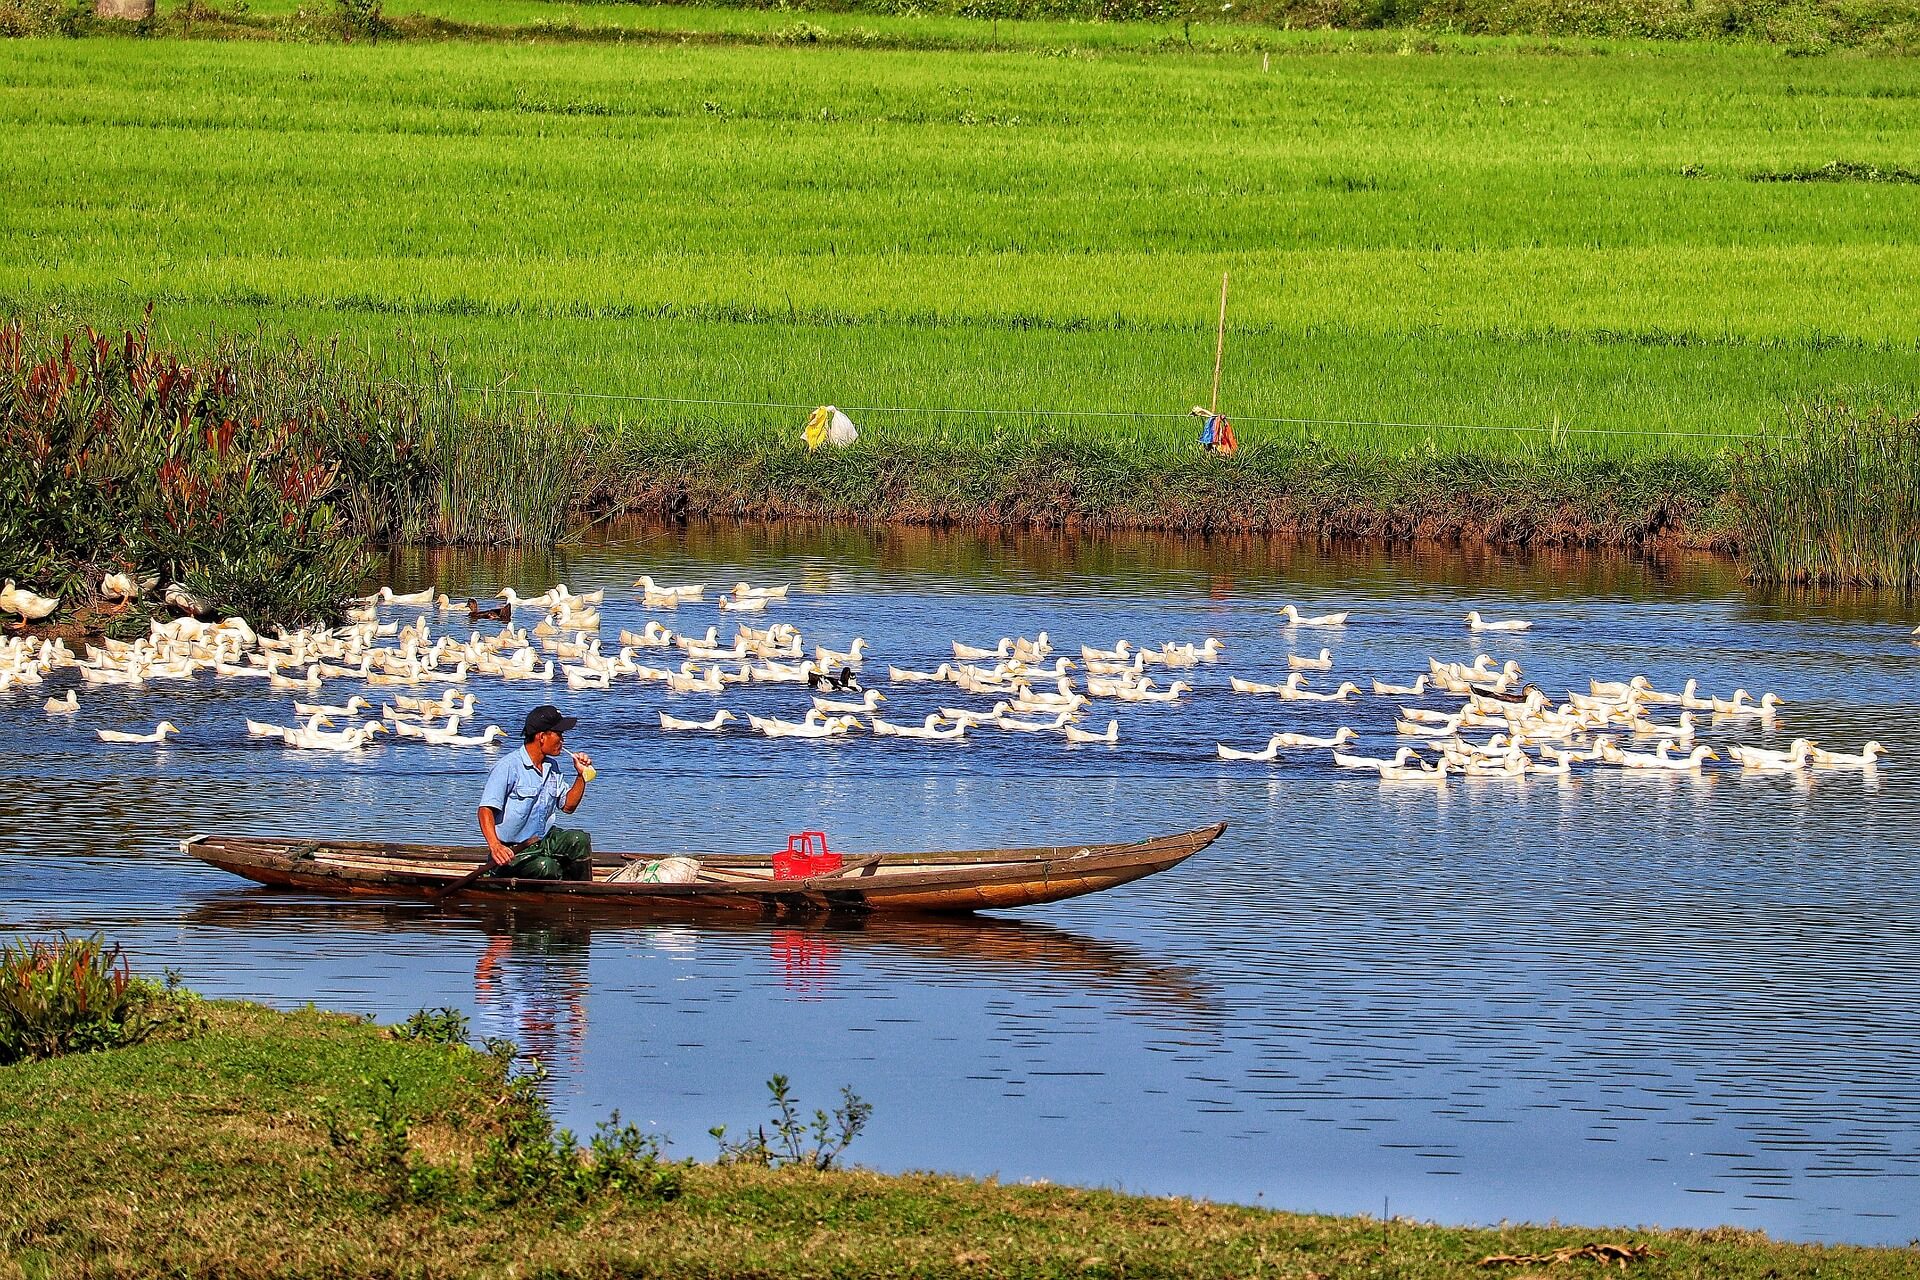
x,y
1219,346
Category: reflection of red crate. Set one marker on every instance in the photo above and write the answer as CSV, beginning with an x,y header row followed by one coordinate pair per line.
x,y
805,855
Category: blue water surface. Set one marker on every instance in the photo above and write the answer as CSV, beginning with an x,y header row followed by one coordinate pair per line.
x,y
1610,999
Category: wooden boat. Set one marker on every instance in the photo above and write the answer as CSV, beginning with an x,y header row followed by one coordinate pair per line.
x,y
970,880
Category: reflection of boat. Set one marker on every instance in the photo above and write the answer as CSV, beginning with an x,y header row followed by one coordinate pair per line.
x,y
961,881
983,944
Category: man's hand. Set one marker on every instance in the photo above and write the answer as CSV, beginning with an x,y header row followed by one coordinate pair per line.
x,y
582,762
497,851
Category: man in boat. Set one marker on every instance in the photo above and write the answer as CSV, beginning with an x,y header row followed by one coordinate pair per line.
x,y
523,793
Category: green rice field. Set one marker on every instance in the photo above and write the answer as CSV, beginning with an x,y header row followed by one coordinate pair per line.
x,y
1492,245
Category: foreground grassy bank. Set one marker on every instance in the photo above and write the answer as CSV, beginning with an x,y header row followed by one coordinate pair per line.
x,y
231,1151
1649,247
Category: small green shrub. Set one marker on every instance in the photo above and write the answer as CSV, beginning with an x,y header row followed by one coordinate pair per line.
x,y
435,1026
527,1161
795,1142
78,995
383,1150
531,1161
362,20
45,17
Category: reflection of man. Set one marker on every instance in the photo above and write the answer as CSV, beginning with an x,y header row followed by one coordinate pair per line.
x,y
523,792
530,986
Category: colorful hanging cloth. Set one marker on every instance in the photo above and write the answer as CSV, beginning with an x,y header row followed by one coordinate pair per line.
x,y
1217,435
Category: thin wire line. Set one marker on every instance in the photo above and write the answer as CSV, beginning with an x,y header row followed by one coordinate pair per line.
x,y
1117,413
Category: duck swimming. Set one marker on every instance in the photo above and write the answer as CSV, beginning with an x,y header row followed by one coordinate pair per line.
x,y
711,723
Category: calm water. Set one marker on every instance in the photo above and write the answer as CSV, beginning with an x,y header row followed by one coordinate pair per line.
x,y
1610,1000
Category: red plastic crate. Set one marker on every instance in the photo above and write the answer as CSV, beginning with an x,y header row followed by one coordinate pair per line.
x,y
806,855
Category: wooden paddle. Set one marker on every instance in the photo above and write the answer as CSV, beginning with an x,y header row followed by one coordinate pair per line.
x,y
486,864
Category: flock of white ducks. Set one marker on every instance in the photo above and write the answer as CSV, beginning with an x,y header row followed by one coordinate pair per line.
x,y
1027,686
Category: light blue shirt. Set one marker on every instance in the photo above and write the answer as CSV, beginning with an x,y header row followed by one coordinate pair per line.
x,y
526,797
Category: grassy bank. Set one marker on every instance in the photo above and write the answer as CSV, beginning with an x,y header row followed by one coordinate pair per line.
x,y
1489,238
1047,479
1803,27
222,1153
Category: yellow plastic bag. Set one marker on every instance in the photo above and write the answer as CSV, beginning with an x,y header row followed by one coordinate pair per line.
x,y
817,423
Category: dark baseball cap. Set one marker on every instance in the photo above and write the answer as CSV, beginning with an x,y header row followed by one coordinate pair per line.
x,y
543,719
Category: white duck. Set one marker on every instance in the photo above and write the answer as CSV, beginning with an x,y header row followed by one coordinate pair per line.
x,y
1414,690
684,681
688,591
748,604
159,734
742,591
1687,697
29,606
1145,692
1032,650
973,653
449,738
1477,623
849,657
351,738
452,702
654,636
1347,689
1740,708
1663,758
711,723
1118,653
119,586
1400,758
940,674
812,727
1012,725
930,730
588,677
972,719
1293,684
64,706
1797,754
1087,737
869,703
1322,663
353,707
1296,619
1186,655
310,681
1682,732
1841,760
1436,773
1269,752
1445,727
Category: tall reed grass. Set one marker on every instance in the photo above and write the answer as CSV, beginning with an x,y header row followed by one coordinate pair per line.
x,y
256,475
1836,505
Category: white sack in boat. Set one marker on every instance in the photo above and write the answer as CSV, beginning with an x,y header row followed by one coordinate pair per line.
x,y
662,871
